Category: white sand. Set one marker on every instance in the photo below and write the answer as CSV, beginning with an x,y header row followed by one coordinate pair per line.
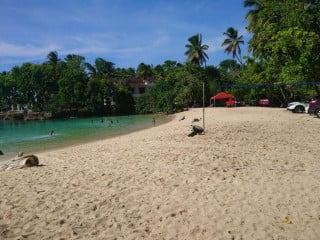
x,y
255,174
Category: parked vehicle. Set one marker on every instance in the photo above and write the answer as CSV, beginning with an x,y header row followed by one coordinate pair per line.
x,y
314,106
264,102
298,107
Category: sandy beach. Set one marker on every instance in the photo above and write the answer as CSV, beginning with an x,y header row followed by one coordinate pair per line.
x,y
254,174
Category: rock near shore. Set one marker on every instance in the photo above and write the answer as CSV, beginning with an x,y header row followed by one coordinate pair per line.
x,y
25,115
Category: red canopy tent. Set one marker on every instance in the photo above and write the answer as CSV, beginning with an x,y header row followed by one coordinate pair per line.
x,y
221,95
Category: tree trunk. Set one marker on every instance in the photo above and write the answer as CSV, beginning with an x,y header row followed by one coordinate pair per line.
x,y
284,96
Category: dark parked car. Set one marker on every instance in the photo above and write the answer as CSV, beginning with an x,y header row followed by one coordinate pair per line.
x,y
314,106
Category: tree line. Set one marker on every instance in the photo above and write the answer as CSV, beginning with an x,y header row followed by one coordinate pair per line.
x,y
284,48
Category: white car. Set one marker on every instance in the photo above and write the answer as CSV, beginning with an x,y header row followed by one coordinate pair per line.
x,y
298,107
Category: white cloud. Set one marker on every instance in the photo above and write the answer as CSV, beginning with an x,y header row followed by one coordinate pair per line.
x,y
25,51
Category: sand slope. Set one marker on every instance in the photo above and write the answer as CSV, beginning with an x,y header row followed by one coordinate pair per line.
x,y
255,174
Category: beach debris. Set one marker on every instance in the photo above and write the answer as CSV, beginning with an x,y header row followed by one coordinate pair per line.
x,y
287,220
21,161
195,130
183,118
196,120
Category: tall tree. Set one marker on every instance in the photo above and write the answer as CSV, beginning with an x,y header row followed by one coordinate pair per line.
x,y
252,15
285,40
53,58
196,52
92,71
144,71
53,71
4,91
230,71
105,69
72,83
232,43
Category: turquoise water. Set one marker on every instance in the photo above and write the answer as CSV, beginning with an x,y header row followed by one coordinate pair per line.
x,y
31,136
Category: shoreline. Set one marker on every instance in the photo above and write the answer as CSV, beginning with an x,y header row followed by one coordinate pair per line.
x,y
93,141
164,119
253,175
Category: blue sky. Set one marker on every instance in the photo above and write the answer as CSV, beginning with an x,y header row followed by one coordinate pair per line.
x,y
125,32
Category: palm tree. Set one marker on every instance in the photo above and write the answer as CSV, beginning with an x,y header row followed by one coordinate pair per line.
x,y
256,6
233,43
252,15
196,51
197,56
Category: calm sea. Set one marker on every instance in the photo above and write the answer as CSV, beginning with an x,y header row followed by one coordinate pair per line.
x,y
31,136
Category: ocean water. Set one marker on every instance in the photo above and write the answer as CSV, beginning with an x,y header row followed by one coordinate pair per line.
x,y
32,136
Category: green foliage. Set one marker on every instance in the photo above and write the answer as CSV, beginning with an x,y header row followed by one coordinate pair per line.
x,y
72,83
212,79
285,43
74,87
177,87
97,89
142,104
124,99
144,71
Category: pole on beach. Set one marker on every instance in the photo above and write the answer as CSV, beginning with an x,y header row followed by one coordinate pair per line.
x,y
203,107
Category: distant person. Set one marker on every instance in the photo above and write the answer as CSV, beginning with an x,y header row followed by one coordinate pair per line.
x,y
154,121
51,133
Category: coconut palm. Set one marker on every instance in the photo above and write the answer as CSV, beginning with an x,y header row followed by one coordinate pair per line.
x,y
196,51
197,56
251,16
233,43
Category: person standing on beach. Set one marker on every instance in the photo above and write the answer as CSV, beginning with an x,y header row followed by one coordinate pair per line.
x,y
154,122
51,133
